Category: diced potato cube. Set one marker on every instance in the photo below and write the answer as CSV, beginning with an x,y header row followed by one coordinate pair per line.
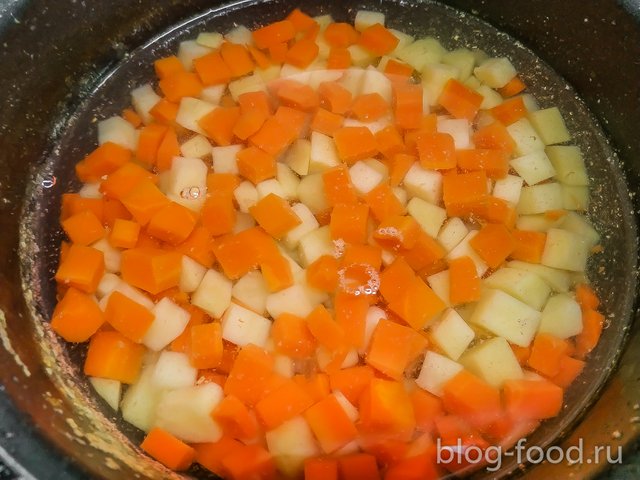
x,y
174,370
210,39
463,59
533,167
190,111
452,334
436,371
524,285
117,130
550,125
240,35
191,274
186,413
495,72
421,52
250,83
558,280
196,147
575,198
224,159
425,184
364,177
242,326
452,233
506,316
526,137
540,198
112,256
187,174
508,188
434,78
213,295
569,164
311,193
251,290
403,39
458,128
268,187
367,18
579,225
189,50
298,156
213,93
323,154
429,216
465,249
490,98
565,250
244,221
373,317
293,300
377,82
288,180
290,444
561,317
352,80
537,223
140,400
308,224
246,196
493,361
110,390
143,99
169,322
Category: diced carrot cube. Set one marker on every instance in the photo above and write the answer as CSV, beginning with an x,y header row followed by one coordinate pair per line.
x,y
169,148
326,122
173,223
378,40
473,399
323,273
164,111
287,401
569,369
179,85
339,58
437,151
592,325
249,122
464,283
529,245
274,136
369,255
144,201
105,159
302,53
426,252
292,337
277,32
493,243
462,193
386,408
199,246
407,105
494,162
587,297
340,34
351,313
513,87
206,345
369,107
330,424
83,228
400,165
300,20
149,142
358,466
325,329
256,165
349,222
338,187
128,317
546,353
509,111
251,376
351,381
396,70
210,455
237,58
172,452
390,350
112,355
334,97
77,316
318,468
249,462
219,214
533,399
355,143
81,268
151,269
459,100
274,214
418,304
426,408
397,232
396,279
494,136
389,141
219,124
167,66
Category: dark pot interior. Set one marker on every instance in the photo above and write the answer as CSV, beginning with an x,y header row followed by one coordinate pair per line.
x,y
54,54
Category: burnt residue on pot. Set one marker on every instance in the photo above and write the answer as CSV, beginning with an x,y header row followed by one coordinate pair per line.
x,y
96,86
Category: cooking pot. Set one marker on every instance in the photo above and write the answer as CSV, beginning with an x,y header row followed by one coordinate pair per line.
x,y
65,61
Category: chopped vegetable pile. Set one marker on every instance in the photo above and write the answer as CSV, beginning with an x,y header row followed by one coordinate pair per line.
x,y
316,249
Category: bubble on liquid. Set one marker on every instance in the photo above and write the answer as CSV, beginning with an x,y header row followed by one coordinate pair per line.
x,y
49,182
359,279
391,232
190,193
338,247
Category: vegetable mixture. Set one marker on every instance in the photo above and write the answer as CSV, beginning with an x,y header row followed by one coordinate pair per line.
x,y
316,249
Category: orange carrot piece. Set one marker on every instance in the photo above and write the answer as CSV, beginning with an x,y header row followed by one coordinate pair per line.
x,y
395,280
378,40
149,141
151,269
351,313
297,95
425,253
179,85
282,404
400,165
104,160
199,246
471,398
210,455
222,183
249,462
300,20
436,151
509,111
167,66
277,32
206,345
72,203
219,124
337,186
494,136
326,122
82,268
339,58
340,34
325,329
128,317
261,60
302,53
587,297
112,355
418,304
369,107
292,337
274,214
383,203
358,466
278,52
370,255
494,162
386,409
219,214
77,316
355,143
251,376
330,424
240,252
569,369
319,468
164,111
114,210
397,70
513,87
389,141
459,100
493,243
546,353
464,283
464,192
532,399
351,381
212,69
273,137
255,101
235,418
144,201
529,245
83,228
132,117
237,58
169,148
172,452
334,97
349,222
256,165
389,351
295,119
426,408
592,325
407,105
249,122
399,232
173,223
417,467
323,273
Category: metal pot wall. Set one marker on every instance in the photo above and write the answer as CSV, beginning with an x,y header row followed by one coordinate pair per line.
x,y
53,54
